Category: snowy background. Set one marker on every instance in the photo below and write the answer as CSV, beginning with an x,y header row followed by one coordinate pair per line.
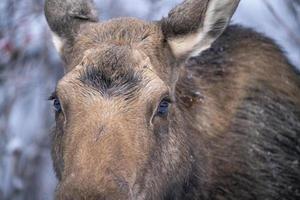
x,y
30,67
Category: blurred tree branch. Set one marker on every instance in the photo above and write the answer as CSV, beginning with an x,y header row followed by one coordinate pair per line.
x,y
292,32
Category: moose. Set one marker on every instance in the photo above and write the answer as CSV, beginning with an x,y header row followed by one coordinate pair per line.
x,y
187,107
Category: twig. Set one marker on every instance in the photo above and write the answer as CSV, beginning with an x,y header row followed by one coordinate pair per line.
x,y
290,32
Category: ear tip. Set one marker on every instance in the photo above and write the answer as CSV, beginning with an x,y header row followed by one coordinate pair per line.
x,y
64,16
84,8
193,25
67,7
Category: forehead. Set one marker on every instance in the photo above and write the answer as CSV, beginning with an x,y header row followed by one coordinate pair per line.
x,y
113,71
123,31
111,57
120,31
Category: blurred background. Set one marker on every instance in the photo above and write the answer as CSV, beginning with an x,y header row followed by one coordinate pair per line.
x,y
30,68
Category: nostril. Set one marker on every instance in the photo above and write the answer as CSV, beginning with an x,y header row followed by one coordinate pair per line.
x,y
121,182
100,133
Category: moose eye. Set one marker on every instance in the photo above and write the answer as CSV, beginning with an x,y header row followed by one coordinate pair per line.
x,y
56,105
163,108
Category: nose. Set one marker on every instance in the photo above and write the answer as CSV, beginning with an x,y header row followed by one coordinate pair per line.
x,y
103,168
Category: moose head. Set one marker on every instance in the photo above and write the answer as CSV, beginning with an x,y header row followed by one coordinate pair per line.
x,y
120,133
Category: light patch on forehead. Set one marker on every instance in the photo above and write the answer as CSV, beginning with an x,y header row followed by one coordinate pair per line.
x,y
63,85
154,85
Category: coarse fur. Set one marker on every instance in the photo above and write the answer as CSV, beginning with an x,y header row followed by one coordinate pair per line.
x,y
233,127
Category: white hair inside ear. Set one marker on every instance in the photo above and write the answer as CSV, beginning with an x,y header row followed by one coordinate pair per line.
x,y
58,42
216,19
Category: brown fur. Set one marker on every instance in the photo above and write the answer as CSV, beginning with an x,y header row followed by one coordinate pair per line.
x,y
232,131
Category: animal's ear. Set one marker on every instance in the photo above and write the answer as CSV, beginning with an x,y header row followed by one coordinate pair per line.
x,y
65,16
194,25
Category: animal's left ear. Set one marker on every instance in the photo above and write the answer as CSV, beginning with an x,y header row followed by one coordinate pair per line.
x,y
194,25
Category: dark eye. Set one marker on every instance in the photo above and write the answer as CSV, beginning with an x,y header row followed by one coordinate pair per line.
x,y
163,108
56,105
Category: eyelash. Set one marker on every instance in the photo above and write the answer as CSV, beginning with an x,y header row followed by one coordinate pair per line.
x,y
56,102
52,96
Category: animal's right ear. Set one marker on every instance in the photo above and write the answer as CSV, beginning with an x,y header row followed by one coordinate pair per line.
x,y
194,25
65,16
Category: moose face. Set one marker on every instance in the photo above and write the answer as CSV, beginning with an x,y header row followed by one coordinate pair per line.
x,y
113,115
119,133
